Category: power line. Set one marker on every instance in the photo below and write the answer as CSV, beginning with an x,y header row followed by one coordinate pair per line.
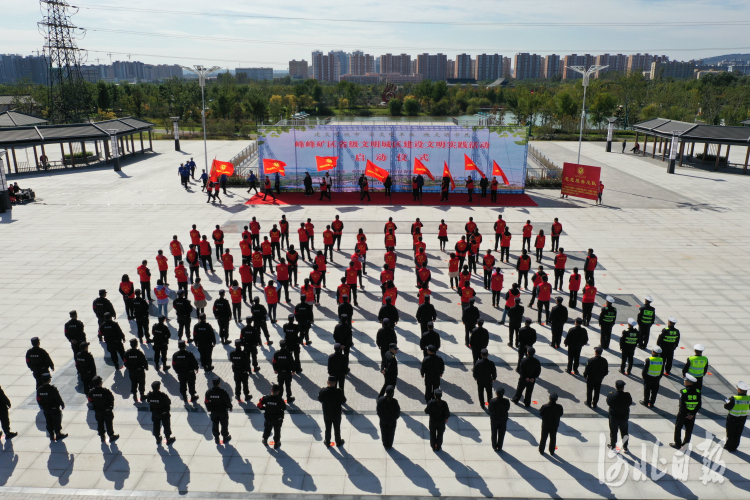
x,y
446,23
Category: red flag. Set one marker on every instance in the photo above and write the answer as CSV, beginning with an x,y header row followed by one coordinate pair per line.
x,y
419,168
273,166
220,168
372,170
496,170
326,162
470,165
447,173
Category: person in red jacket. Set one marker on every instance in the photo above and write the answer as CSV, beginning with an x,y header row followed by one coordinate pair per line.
x,y
182,277
493,191
512,298
424,292
195,235
322,263
358,261
144,274
227,262
304,241
175,248
246,249
526,242
539,245
496,286
590,266
470,226
284,228
420,259
205,251
556,231
522,266
272,299
267,189
351,274
246,277
254,232
267,251
443,234
574,284
560,260
390,258
467,293
194,262
316,277
499,228
470,188
328,240
386,275
127,290
461,248
505,245
342,291
454,267
390,294
423,276
310,233
361,249
365,187
292,258
488,262
390,239
543,296
275,235
218,237
587,302
257,260
325,190
282,277
235,292
600,193
163,263
338,229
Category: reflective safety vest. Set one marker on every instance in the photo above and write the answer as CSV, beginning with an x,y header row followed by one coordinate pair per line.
x,y
610,315
741,405
648,316
697,365
671,335
630,337
692,400
655,366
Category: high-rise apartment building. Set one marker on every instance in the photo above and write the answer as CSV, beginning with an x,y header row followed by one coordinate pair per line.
x,y
507,70
298,69
551,66
488,67
255,73
528,66
672,69
14,68
432,67
462,69
326,68
361,64
401,64
615,62
585,60
343,59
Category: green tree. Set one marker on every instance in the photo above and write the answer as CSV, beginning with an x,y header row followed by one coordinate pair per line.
x,y
411,107
394,107
602,107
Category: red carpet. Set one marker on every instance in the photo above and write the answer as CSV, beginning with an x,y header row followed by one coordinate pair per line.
x,y
429,199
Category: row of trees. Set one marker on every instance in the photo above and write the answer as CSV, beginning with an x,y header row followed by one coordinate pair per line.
x,y
554,105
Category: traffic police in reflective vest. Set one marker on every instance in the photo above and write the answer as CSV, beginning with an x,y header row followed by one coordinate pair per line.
x,y
690,403
628,343
607,319
697,365
738,406
669,340
653,369
646,316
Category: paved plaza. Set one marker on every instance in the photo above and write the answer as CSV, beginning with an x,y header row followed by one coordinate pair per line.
x,y
682,239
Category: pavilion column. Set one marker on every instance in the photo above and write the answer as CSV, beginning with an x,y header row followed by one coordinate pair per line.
x,y
664,153
718,152
132,144
140,134
96,148
747,157
62,153
150,144
7,159
645,143
705,152
692,149
15,160
653,151
72,158
43,152
636,137
36,158
661,141
106,151
682,151
728,146
85,156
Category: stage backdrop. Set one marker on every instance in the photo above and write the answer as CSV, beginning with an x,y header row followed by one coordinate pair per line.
x,y
395,148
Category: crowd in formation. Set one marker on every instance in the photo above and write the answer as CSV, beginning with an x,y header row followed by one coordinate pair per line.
x,y
267,252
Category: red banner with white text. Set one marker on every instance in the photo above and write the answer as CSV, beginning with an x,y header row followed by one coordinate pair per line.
x,y
581,181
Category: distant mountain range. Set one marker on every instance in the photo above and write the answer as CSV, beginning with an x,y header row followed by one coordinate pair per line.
x,y
717,59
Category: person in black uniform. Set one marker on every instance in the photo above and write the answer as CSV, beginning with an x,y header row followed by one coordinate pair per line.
x,y
426,314
38,361
628,344
389,411
498,411
653,370
576,338
479,339
439,414
526,339
384,338
141,312
645,318
528,371
240,359
669,340
342,335
184,309
250,336
74,333
260,316
690,405
293,341
389,368
303,312
273,406
205,340
338,365
550,413
186,367
332,398
470,318
86,366
4,416
432,370
558,316
484,372
388,312
223,314
596,369
137,365
114,339
283,367
102,305
607,320
738,408
52,405
429,337
219,404
515,320
161,334
345,308
619,403
159,404
103,402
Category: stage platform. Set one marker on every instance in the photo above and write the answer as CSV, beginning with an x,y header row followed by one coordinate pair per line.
x,y
428,199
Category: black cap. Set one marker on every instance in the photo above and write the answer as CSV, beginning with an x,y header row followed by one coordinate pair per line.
x,y
553,396
484,351
162,317
83,344
337,346
389,389
34,340
291,316
134,342
237,342
72,312
392,346
438,392
46,376
431,348
332,379
282,342
155,385
96,379
620,383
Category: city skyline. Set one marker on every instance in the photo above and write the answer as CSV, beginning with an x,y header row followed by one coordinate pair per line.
x,y
226,37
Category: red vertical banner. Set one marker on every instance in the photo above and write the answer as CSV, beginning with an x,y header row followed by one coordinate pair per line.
x,y
580,180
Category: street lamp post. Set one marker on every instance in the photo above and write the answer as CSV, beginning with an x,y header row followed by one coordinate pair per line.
x,y
115,148
176,132
586,74
673,153
202,73
610,130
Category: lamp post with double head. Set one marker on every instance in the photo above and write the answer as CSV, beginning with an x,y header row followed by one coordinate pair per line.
x,y
586,74
202,72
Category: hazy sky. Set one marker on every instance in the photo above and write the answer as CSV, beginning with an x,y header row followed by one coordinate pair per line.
x,y
225,33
